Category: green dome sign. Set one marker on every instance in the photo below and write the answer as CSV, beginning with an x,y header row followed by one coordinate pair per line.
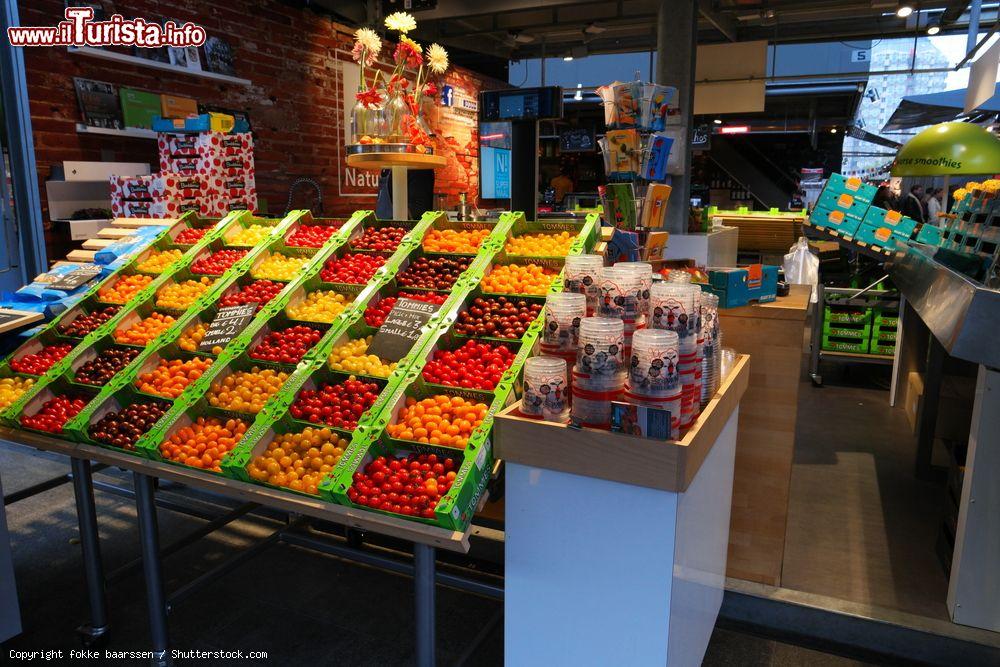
x,y
949,148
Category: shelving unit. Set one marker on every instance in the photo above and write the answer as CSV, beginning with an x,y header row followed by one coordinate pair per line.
x,y
872,303
129,132
153,64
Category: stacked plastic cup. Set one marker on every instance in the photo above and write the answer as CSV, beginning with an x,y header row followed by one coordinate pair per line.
x,y
711,372
583,275
599,374
645,273
546,389
563,313
621,292
679,276
653,378
672,307
698,333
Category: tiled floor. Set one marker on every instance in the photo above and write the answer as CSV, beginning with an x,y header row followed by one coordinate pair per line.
x,y
299,606
861,527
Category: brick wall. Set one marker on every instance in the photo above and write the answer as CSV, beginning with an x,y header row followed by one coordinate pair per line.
x,y
295,101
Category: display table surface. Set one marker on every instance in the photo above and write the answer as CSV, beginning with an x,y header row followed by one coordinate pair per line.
x,y
773,334
615,546
288,501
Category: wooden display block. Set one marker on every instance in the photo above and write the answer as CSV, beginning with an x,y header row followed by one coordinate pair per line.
x,y
656,464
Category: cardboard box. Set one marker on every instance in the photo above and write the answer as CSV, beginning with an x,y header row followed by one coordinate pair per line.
x,y
139,107
205,144
861,191
166,208
836,220
159,186
843,201
175,106
882,237
894,220
930,235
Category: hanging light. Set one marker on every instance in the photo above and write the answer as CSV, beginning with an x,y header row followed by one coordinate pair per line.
x,y
904,10
933,29
717,121
833,130
579,92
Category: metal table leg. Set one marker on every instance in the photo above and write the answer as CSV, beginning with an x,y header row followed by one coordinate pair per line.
x,y
149,539
816,335
423,585
95,632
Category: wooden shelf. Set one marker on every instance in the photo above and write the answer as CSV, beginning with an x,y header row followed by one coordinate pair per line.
x,y
154,64
377,161
657,464
131,132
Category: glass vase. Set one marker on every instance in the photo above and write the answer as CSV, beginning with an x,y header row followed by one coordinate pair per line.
x,y
368,122
397,113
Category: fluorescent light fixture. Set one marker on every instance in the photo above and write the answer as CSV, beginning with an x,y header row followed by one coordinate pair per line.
x,y
735,129
904,10
567,58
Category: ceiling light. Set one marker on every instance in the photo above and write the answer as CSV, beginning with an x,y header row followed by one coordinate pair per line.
x,y
717,121
833,130
594,29
933,29
579,92
567,58
904,10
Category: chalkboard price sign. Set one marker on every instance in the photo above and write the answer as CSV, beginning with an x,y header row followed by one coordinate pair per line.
x,y
227,325
401,329
70,281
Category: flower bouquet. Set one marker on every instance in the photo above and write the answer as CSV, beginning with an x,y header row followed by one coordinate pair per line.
x,y
388,107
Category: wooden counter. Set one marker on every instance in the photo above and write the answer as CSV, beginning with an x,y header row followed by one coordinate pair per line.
x,y
773,334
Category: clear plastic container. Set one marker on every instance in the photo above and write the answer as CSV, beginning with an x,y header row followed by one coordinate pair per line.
x,y
672,308
645,272
563,313
600,356
546,389
680,277
653,368
583,276
621,289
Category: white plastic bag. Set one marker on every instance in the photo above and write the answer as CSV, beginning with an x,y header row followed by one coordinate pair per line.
x,y
801,266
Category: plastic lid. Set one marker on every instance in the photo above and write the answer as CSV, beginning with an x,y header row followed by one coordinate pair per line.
x,y
584,261
545,365
574,301
679,277
654,338
676,290
601,326
639,267
620,274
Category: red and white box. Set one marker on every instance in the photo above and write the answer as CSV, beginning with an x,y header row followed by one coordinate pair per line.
x,y
204,144
159,186
163,208
215,165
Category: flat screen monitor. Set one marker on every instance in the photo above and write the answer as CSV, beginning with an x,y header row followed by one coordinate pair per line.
x,y
494,160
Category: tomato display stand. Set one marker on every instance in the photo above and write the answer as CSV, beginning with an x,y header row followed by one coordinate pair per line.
x,y
646,523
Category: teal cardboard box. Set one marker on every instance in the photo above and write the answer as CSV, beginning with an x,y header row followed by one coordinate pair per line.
x,y
930,235
853,186
897,222
738,287
843,201
836,220
139,107
880,236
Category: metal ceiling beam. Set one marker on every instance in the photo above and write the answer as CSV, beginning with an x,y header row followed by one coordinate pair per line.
x,y
452,9
954,11
724,23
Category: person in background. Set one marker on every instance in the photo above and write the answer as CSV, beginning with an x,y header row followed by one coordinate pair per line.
x,y
934,206
883,198
912,206
562,184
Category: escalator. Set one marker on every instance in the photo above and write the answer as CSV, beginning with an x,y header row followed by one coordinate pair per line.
x,y
745,164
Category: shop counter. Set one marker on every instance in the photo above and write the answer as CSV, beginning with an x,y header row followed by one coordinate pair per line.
x,y
615,546
773,334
